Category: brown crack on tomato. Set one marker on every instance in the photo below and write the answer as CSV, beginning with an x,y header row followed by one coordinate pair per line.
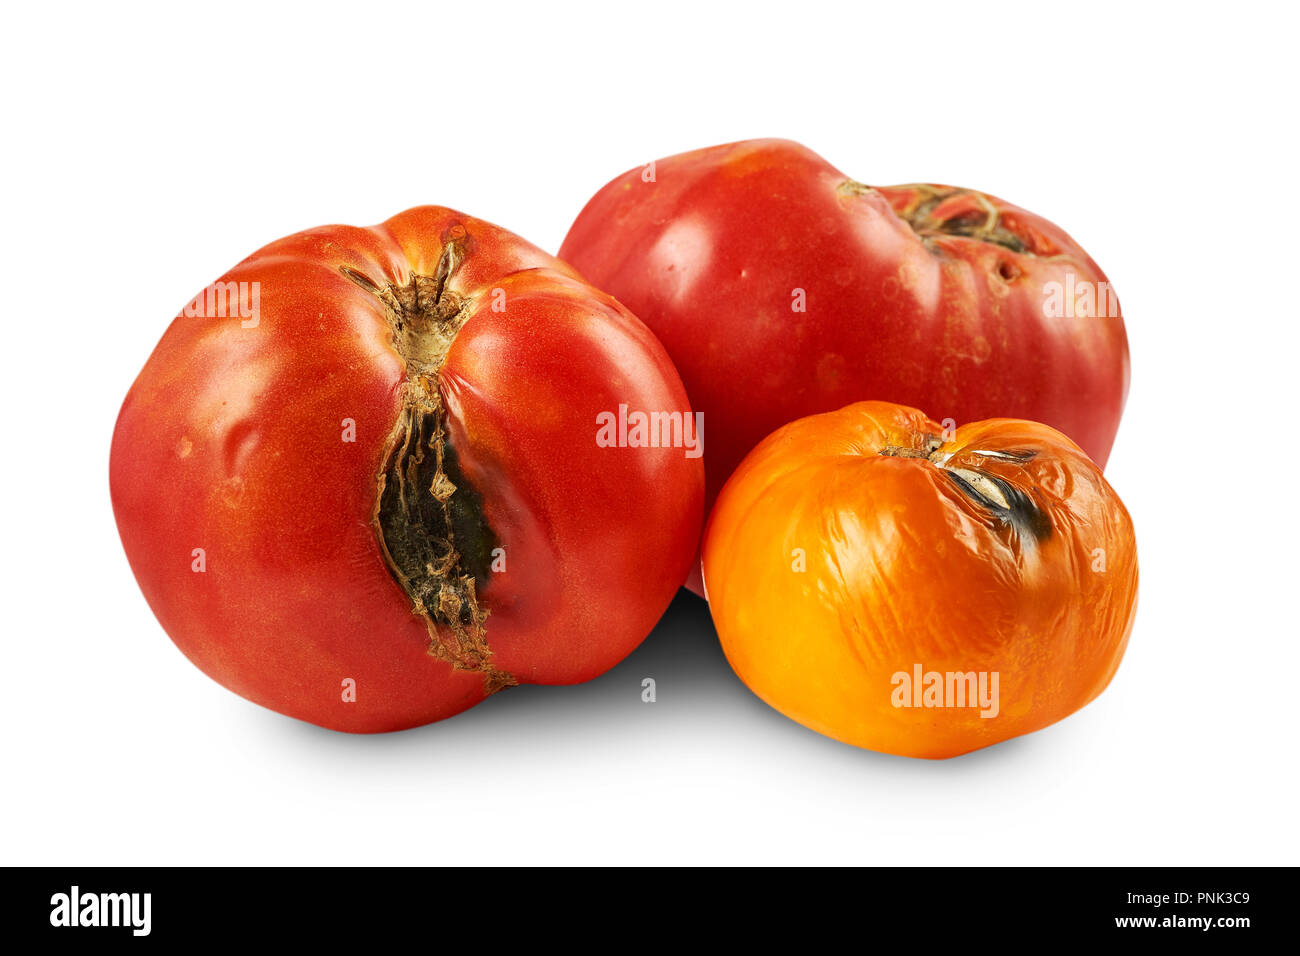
x,y
428,518
933,211
1009,504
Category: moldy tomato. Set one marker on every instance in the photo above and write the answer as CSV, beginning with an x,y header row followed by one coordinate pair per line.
x,y
782,288
916,592
375,496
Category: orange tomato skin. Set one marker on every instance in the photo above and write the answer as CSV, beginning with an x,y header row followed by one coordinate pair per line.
x,y
854,546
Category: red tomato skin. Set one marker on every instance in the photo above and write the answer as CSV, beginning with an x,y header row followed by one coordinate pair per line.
x,y
710,253
231,441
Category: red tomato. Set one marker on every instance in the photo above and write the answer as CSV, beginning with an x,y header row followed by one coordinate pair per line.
x,y
360,481
782,288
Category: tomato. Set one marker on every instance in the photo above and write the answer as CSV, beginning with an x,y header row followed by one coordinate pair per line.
x,y
360,479
782,288
916,591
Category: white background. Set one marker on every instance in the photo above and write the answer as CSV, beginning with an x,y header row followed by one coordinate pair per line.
x,y
148,149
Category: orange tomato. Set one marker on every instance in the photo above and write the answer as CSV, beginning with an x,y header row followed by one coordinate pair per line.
x,y
919,592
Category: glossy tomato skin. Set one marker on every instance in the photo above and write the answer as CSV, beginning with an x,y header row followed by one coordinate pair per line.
x,y
718,250
857,545
235,440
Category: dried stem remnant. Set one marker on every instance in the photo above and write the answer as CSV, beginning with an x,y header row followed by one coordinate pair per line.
x,y
1011,505
978,218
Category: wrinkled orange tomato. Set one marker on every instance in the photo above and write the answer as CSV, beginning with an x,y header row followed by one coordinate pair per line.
x,y
361,482
919,592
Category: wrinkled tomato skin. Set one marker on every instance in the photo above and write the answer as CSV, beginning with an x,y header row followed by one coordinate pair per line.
x,y
231,441
853,546
711,252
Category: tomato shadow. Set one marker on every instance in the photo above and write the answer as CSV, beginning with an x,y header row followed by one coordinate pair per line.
x,y
677,675
697,703
681,657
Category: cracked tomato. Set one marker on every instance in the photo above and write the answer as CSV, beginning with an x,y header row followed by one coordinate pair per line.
x,y
359,480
